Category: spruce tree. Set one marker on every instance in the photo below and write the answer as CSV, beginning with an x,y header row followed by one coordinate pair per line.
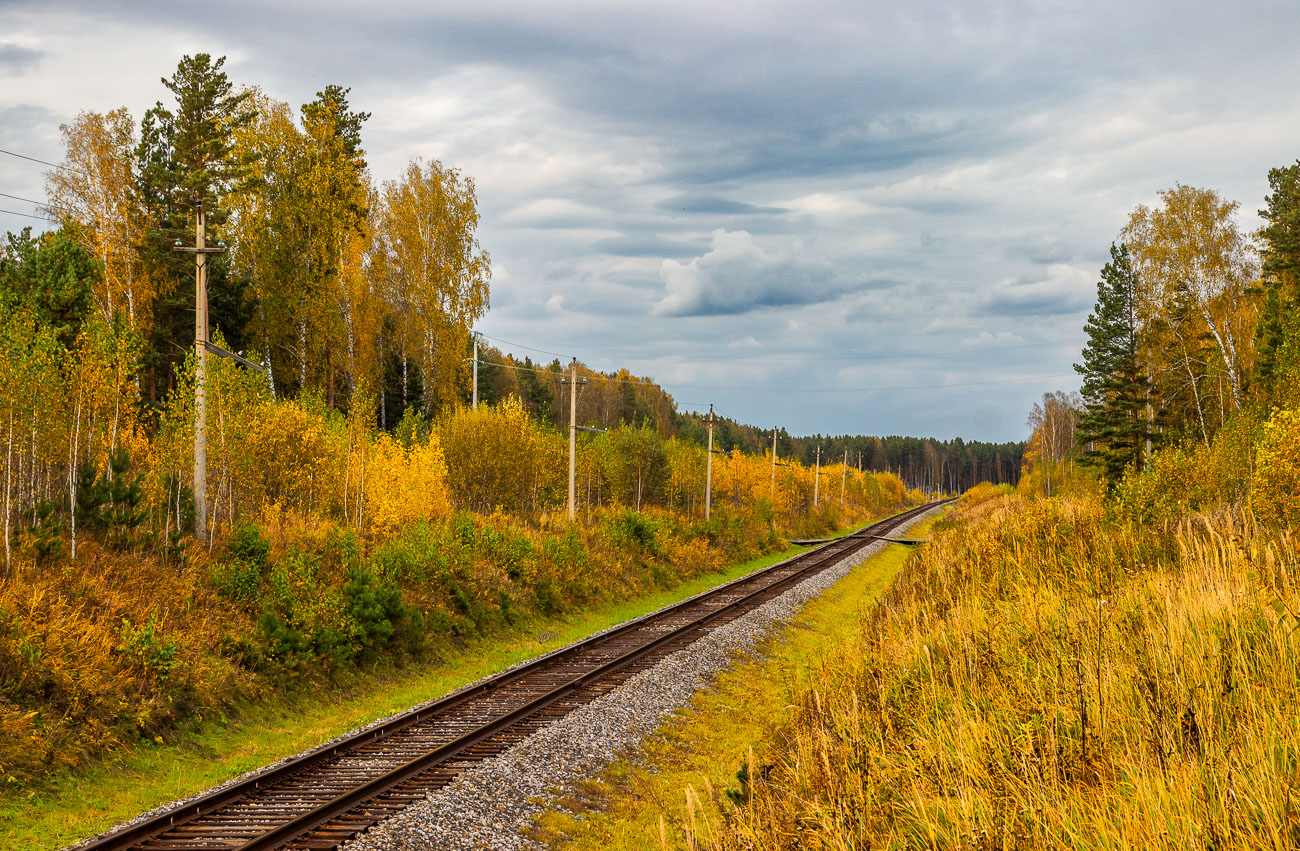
x,y
1115,389
1278,329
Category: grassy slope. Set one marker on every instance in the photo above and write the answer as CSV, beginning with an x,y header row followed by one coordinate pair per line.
x,y
75,805
646,800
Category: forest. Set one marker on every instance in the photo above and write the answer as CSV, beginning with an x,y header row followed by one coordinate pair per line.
x,y
360,512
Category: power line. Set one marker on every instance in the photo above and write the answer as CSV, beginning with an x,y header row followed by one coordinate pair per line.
x,y
751,388
875,389
20,198
544,371
28,215
520,345
45,162
791,357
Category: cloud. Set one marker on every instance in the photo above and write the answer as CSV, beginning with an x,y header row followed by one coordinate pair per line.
x,y
644,246
1066,290
737,275
714,205
17,60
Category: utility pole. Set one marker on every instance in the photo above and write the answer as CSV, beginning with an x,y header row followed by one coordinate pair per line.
x,y
573,433
708,474
476,373
774,467
844,476
201,347
817,476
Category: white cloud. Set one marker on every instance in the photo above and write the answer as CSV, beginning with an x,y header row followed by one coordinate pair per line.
x,y
738,275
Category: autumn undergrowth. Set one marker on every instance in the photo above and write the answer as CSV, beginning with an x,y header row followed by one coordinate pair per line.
x,y
1049,673
200,753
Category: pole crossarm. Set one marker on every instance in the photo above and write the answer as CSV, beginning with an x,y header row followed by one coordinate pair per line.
x,y
592,430
213,348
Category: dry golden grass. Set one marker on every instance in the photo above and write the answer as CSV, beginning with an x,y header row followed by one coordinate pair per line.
x,y
1045,675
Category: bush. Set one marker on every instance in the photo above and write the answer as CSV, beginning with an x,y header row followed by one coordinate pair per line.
x,y
374,608
1277,470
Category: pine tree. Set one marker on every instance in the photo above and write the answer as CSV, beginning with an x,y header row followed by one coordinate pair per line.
x,y
187,158
1115,390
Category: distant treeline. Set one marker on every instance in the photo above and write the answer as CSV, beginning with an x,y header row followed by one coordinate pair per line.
x,y
610,400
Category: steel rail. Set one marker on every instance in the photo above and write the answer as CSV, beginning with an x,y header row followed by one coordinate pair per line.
x,y
132,835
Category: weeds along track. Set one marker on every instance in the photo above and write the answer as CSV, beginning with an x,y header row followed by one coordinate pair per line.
x,y
326,796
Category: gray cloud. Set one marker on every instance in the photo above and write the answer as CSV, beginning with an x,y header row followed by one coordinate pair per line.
x,y
17,60
1065,291
737,275
715,205
644,246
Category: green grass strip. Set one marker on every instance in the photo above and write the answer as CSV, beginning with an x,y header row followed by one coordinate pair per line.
x,y
641,801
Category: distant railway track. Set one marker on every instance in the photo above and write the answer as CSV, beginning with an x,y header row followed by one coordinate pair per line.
x,y
326,796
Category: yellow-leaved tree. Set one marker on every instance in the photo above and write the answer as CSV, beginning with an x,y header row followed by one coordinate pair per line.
x,y
432,272
96,188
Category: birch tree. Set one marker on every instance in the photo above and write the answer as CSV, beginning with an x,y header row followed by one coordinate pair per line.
x,y
1190,247
435,273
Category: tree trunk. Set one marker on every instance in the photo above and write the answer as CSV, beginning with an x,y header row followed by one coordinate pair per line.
x,y
1227,351
74,449
9,476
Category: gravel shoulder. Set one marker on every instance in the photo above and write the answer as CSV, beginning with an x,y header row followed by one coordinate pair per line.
x,y
490,805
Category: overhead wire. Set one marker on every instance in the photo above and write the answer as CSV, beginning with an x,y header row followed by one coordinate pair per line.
x,y
44,162
28,215
20,198
788,389
789,357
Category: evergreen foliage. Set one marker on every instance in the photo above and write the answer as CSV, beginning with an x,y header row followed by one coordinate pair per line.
x,y
187,159
1114,388
1278,332
49,277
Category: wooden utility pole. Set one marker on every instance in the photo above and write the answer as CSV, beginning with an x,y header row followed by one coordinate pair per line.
x,y
573,433
201,347
774,468
200,379
844,476
476,373
708,467
817,476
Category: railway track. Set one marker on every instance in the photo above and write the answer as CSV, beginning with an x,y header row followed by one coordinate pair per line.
x,y
326,796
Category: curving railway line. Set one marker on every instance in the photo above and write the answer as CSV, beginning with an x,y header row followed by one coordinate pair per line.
x,y
326,796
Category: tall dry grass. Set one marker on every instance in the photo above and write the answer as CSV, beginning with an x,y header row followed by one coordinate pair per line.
x,y
1046,674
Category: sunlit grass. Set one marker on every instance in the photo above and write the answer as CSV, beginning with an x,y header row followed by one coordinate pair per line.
x,y
1044,675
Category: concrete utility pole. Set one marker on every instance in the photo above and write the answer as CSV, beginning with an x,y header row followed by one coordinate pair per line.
x,y
708,475
476,373
817,477
201,346
844,476
573,434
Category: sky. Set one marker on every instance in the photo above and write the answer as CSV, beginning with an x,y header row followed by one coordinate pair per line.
x,y
839,218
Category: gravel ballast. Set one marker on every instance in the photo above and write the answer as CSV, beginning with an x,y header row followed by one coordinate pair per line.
x,y
489,805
